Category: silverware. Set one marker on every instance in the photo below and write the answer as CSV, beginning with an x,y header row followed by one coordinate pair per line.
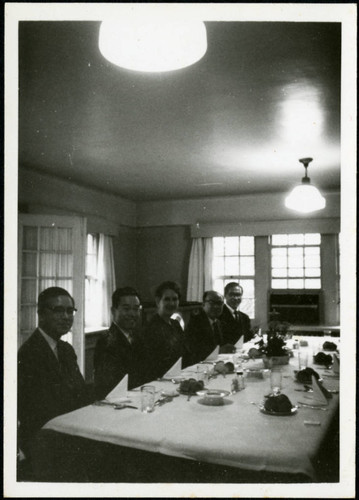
x,y
162,400
304,405
123,406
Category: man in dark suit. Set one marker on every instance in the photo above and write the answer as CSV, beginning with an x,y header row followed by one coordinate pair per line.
x,y
49,379
120,350
235,323
204,332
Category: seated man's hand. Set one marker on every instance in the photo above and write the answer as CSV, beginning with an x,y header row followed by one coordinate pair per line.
x,y
227,349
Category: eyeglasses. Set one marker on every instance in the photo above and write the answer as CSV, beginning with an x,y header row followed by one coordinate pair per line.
x,y
215,302
135,309
70,311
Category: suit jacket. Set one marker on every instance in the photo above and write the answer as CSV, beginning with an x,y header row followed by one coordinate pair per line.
x,y
200,337
164,345
115,357
232,329
46,387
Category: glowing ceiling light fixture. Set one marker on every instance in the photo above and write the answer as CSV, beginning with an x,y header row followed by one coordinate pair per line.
x,y
305,198
154,45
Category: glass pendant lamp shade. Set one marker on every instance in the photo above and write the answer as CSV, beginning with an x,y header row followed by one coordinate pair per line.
x,y
152,45
305,198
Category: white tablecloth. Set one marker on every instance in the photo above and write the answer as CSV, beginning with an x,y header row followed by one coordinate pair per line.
x,y
236,434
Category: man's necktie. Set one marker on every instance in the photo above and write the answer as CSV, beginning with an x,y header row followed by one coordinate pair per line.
x,y
236,315
217,332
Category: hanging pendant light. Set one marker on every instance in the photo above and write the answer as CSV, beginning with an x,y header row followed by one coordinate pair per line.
x,y
305,198
152,45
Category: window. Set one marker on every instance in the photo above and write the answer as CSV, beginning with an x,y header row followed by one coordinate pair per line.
x,y
295,261
233,260
51,253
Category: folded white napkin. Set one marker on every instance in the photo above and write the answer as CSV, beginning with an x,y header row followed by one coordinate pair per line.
x,y
336,363
119,393
174,370
214,355
239,344
318,397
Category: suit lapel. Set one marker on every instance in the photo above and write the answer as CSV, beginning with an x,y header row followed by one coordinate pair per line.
x,y
46,355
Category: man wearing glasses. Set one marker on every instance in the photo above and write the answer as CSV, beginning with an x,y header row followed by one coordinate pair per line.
x,y
120,350
49,379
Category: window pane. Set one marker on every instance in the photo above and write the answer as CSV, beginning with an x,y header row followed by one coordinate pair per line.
x,y
46,283
279,283
247,266
231,266
295,252
29,264
29,238
295,261
295,239
296,272
28,317
279,239
280,273
218,286
279,252
218,246
231,245
279,262
48,238
312,251
48,265
247,306
28,291
65,265
65,239
248,288
312,283
312,272
246,245
312,261
293,283
312,239
218,266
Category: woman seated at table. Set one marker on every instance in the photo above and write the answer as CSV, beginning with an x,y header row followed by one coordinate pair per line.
x,y
163,335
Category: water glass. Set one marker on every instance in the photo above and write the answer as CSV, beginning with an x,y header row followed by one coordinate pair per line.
x,y
202,373
302,359
276,380
147,398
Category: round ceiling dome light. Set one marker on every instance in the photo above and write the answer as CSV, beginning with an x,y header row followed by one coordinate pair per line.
x,y
152,45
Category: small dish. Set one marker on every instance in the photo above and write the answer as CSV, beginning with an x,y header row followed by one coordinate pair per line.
x,y
178,379
213,397
293,411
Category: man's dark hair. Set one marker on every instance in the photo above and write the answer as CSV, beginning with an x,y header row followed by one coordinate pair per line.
x,y
126,291
230,285
50,293
167,285
206,293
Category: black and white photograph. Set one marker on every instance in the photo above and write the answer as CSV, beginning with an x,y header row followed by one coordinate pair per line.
x,y
180,250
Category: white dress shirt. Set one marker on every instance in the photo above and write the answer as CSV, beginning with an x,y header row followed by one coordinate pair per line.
x,y
52,342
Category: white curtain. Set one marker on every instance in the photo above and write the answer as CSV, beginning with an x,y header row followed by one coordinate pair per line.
x,y
200,268
106,277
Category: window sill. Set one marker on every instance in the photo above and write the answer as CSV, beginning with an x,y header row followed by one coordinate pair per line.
x,y
95,329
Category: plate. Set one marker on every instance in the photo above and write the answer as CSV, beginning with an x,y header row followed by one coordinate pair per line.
x,y
213,393
293,411
187,393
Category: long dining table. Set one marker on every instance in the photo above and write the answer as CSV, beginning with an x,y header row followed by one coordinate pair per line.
x,y
235,440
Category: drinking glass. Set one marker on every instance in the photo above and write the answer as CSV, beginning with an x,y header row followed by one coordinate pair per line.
x,y
276,380
302,359
202,373
147,398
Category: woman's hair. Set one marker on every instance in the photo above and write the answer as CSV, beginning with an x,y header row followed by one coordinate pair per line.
x,y
167,285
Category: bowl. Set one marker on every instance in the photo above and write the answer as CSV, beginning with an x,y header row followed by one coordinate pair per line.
x,y
213,397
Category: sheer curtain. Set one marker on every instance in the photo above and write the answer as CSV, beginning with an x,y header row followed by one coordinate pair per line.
x,y
100,281
200,268
106,276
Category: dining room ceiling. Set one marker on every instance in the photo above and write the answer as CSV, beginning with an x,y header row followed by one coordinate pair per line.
x,y
236,122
